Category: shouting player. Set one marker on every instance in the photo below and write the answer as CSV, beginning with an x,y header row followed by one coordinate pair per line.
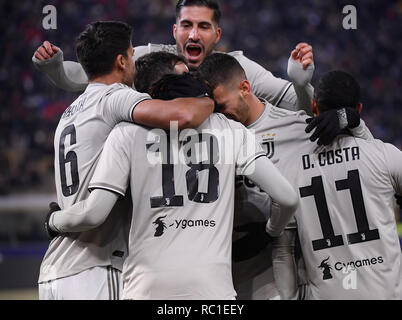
x,y
196,32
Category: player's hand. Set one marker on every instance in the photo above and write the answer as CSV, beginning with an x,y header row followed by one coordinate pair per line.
x,y
329,124
46,51
250,245
303,53
398,200
53,206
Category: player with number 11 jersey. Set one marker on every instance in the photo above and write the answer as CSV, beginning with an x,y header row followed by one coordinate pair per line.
x,y
346,220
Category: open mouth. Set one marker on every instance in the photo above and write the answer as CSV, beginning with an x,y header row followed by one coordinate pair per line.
x,y
193,52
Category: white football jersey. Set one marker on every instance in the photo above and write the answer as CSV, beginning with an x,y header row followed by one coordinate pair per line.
x,y
183,198
278,132
346,219
79,139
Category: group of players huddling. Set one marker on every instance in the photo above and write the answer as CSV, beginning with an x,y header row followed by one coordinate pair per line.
x,y
184,173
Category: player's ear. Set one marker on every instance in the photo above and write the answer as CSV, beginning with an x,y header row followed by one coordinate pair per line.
x,y
174,31
314,108
245,88
218,34
121,62
359,107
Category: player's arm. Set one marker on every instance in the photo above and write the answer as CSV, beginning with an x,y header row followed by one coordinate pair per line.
x,y
253,163
277,91
67,75
328,125
188,112
84,215
285,200
126,104
300,72
393,158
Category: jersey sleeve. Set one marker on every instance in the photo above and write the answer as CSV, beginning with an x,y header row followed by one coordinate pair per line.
x,y
140,51
119,104
112,172
263,83
249,150
67,75
393,158
362,131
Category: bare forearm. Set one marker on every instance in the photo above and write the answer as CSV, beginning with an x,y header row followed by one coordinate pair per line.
x,y
188,112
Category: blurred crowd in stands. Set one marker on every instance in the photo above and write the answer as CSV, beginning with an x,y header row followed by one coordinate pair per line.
x,y
266,30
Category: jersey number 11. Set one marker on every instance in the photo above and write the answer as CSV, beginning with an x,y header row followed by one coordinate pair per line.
x,y
330,240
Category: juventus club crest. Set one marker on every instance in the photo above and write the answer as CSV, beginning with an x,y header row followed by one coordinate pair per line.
x,y
269,146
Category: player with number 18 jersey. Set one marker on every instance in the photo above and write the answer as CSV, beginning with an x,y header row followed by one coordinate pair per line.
x,y
183,199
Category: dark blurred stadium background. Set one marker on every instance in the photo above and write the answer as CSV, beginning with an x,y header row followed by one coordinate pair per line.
x,y
266,31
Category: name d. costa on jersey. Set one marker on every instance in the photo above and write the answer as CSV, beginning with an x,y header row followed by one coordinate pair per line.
x,y
330,157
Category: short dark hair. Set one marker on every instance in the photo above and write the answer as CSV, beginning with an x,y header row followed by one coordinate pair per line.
x,y
221,69
335,90
152,67
100,43
213,5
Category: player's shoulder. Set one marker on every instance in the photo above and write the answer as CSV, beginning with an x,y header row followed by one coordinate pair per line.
x,y
379,146
127,129
116,87
296,117
153,47
219,120
122,90
140,51
236,54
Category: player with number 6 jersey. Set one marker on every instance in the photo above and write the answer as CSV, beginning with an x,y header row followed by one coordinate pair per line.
x,y
346,219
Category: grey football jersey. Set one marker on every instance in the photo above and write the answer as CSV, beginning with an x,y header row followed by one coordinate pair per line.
x,y
278,131
183,200
79,139
263,83
346,219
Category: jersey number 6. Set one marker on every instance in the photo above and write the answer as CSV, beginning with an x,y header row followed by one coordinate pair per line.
x,y
69,158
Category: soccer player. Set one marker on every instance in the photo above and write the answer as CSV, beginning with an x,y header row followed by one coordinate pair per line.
x,y
88,265
346,221
196,32
182,187
275,129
